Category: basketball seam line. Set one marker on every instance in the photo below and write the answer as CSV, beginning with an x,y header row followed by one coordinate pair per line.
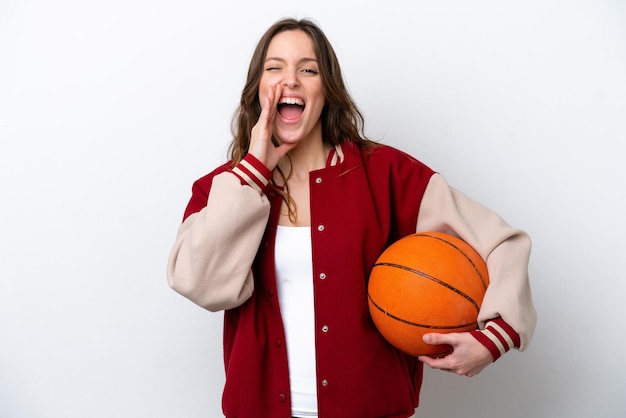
x,y
416,324
469,259
434,279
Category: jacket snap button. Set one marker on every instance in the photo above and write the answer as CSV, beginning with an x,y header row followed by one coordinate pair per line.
x,y
320,228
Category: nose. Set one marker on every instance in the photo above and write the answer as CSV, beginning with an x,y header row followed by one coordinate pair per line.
x,y
290,80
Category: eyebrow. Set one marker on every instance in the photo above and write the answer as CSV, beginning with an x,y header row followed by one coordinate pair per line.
x,y
302,60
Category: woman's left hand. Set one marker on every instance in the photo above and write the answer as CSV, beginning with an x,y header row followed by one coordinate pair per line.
x,y
469,357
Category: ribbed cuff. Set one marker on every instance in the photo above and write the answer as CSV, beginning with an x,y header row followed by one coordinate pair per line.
x,y
498,337
254,173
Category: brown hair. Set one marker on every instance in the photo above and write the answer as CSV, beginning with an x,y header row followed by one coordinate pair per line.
x,y
341,119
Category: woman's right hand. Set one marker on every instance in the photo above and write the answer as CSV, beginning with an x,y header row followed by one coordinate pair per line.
x,y
261,145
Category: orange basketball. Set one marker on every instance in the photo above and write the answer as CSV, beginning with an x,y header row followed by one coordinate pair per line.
x,y
426,282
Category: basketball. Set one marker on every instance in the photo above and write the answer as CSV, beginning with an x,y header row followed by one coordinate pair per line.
x,y
426,282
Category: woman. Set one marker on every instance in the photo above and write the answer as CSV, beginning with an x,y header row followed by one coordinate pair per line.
x,y
283,237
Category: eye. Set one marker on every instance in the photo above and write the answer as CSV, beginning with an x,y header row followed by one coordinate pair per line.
x,y
310,71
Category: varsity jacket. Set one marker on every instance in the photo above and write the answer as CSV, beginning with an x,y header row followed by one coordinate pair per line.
x,y
361,202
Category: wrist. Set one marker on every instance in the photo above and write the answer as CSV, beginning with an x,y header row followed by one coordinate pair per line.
x,y
253,172
498,337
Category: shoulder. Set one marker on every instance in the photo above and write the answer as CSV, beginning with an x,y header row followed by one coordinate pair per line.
x,y
387,152
386,164
200,190
383,156
204,182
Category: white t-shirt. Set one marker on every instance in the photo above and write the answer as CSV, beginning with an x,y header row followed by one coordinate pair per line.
x,y
294,280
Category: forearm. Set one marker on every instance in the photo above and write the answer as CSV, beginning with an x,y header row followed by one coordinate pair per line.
x,y
505,249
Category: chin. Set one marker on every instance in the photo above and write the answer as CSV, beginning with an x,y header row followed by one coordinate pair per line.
x,y
289,139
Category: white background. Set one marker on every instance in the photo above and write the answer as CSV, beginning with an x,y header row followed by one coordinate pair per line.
x,y
110,109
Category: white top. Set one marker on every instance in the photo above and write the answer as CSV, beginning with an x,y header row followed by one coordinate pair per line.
x,y
294,280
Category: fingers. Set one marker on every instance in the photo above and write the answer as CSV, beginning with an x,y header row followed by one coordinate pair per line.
x,y
261,145
269,107
436,338
468,358
442,363
449,363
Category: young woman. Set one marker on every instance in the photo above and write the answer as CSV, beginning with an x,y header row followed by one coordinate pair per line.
x,y
283,237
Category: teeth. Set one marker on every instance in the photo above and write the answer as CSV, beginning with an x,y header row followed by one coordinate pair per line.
x,y
291,101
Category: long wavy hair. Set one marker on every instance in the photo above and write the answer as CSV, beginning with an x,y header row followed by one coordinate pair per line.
x,y
340,117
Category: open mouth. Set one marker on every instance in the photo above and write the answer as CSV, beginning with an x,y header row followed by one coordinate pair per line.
x,y
290,108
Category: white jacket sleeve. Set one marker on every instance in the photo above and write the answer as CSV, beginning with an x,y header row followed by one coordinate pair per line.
x,y
505,249
210,262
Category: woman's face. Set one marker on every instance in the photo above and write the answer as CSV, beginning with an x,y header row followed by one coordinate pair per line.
x,y
291,63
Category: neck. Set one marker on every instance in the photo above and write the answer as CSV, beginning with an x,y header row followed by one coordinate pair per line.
x,y
308,156
307,159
